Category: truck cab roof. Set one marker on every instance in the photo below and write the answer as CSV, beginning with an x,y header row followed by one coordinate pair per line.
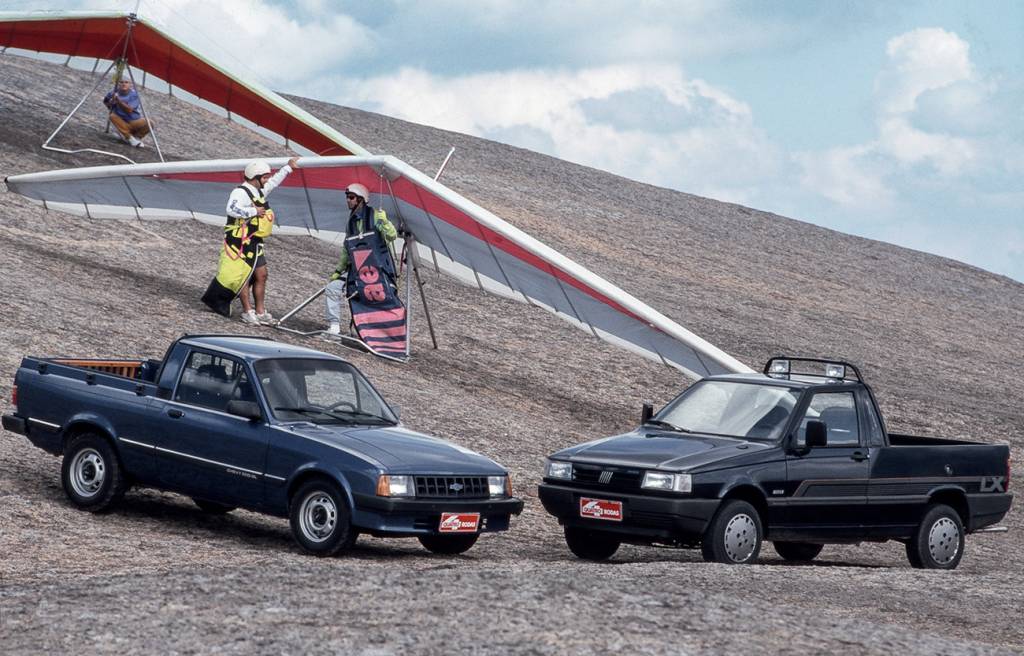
x,y
253,348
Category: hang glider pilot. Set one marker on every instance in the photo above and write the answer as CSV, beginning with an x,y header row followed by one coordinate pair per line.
x,y
243,262
126,113
362,218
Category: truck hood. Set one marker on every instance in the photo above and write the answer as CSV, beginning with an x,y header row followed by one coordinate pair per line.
x,y
658,449
401,450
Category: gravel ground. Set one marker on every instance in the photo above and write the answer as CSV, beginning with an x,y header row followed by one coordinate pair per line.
x,y
938,339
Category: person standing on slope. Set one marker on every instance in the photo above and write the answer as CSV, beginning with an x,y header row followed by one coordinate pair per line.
x,y
243,264
362,219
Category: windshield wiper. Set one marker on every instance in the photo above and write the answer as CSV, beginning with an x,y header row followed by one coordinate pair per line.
x,y
671,427
370,415
309,410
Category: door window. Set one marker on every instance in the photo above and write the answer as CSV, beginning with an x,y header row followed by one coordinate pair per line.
x,y
211,381
839,414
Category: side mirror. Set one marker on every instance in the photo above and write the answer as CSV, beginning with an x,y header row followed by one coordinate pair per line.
x,y
817,434
646,412
397,409
247,409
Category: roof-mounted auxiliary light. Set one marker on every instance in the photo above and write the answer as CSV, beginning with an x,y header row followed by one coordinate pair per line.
x,y
779,369
835,371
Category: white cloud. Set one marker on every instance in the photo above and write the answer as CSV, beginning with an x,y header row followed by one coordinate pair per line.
x,y
851,176
919,61
697,138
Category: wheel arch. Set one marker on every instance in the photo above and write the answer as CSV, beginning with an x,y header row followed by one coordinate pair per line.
x,y
955,498
82,425
750,493
314,471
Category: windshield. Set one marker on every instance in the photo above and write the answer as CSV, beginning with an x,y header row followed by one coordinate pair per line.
x,y
744,410
321,391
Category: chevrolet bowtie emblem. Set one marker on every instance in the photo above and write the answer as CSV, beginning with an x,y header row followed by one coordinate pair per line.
x,y
456,487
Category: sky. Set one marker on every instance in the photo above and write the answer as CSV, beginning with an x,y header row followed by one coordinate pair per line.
x,y
898,121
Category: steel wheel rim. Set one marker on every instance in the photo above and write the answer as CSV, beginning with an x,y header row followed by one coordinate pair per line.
x,y
88,471
740,537
318,516
944,541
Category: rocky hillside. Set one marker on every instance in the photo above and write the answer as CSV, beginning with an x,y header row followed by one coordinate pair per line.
x,y
938,339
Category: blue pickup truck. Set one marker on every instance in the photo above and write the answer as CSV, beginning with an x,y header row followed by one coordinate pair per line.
x,y
798,455
249,422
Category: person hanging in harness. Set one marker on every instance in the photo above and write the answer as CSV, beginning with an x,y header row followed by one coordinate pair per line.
x,y
369,234
243,264
126,113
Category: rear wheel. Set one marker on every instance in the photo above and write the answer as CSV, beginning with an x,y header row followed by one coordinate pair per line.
x,y
801,552
320,518
591,545
212,508
938,542
91,474
449,545
734,535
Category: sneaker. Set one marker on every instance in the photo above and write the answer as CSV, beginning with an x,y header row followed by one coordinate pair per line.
x,y
334,328
133,141
141,144
266,319
250,318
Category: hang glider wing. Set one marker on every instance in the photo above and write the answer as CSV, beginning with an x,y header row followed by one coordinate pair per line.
x,y
452,235
106,36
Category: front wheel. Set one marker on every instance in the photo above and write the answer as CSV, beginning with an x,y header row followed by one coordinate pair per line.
x,y
734,535
938,542
800,552
320,518
91,474
591,545
449,545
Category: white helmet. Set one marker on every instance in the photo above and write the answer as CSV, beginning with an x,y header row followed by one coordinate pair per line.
x,y
255,169
358,190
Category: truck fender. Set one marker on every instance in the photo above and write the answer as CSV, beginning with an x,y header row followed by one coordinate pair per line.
x,y
312,469
87,421
953,496
741,486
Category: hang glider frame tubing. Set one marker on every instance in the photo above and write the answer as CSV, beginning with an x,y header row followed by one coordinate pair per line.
x,y
132,19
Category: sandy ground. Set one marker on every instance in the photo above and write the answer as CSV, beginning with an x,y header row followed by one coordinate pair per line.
x,y
939,341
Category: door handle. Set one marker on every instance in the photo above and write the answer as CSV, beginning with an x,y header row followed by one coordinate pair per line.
x,y
174,412
860,455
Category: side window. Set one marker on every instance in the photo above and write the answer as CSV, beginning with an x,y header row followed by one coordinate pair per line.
x,y
839,413
872,425
211,381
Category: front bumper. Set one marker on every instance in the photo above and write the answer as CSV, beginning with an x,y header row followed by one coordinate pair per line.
x,y
644,518
392,517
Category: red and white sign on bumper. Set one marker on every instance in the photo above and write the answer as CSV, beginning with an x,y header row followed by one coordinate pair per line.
x,y
459,523
601,509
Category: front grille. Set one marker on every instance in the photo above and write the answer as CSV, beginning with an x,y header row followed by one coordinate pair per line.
x,y
620,479
452,487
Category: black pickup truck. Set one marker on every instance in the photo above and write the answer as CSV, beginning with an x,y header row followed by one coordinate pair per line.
x,y
798,455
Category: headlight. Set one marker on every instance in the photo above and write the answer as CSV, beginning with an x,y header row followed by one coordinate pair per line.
x,y
396,486
500,486
559,470
667,482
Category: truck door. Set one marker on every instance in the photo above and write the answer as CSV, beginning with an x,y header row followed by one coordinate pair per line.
x,y
204,451
827,485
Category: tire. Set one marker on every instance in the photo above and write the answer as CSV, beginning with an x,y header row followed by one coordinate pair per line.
x,y
320,518
91,473
798,552
938,542
212,508
734,535
591,545
449,545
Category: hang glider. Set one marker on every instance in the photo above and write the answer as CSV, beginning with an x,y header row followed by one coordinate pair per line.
x,y
109,36
449,234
